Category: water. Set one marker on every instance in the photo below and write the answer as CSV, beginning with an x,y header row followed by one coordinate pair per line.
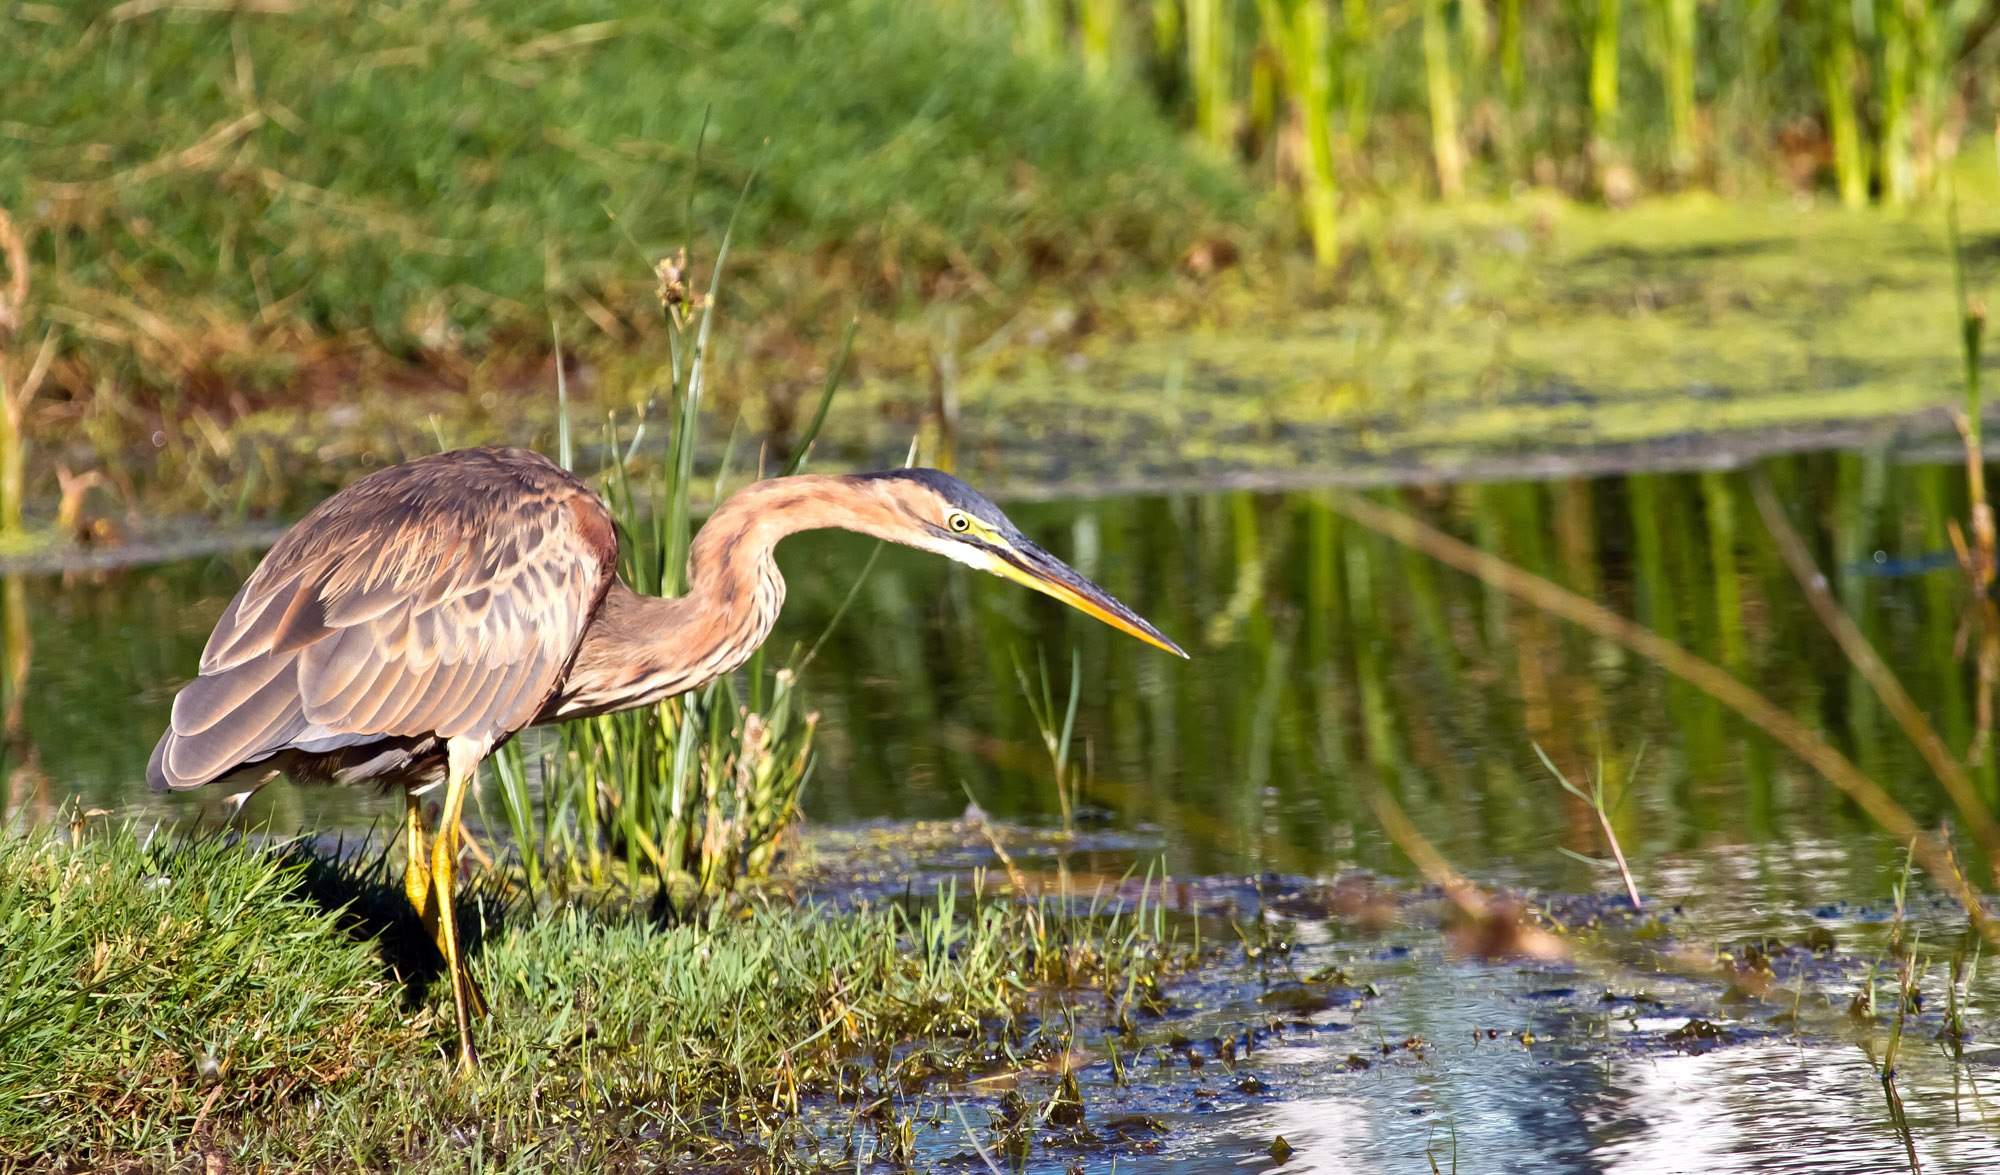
x,y
1329,662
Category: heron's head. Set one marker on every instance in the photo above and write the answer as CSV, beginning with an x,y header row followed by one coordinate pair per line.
x,y
937,512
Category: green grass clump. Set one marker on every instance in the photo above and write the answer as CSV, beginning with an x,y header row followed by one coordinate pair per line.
x,y
690,795
204,187
211,997
147,987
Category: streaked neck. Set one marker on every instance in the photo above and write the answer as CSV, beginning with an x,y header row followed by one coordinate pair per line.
x,y
640,649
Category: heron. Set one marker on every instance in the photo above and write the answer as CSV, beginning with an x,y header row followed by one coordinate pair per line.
x,y
418,619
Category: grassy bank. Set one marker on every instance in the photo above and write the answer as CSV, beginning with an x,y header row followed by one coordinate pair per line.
x,y
227,198
279,245
1466,337
208,1001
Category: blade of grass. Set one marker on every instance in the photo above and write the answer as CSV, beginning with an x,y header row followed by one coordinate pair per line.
x,y
833,376
1595,798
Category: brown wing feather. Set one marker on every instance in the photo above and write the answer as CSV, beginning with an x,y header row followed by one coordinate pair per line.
x,y
442,597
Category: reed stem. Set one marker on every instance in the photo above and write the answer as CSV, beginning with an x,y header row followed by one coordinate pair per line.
x,y
1441,85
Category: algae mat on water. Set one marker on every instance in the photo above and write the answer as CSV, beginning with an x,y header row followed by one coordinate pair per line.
x,y
1513,338
1531,339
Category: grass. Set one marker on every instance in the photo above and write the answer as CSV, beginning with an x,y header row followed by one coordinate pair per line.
x,y
218,198
170,998
149,982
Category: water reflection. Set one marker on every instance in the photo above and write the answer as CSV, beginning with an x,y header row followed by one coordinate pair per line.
x,y
1757,1108
1586,1068
27,788
1327,659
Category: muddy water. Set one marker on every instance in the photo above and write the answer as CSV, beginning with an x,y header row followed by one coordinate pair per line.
x,y
1329,662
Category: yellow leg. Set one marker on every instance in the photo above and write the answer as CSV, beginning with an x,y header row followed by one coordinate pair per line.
x,y
417,877
444,874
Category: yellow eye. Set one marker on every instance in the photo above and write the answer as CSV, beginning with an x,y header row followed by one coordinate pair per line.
x,y
958,521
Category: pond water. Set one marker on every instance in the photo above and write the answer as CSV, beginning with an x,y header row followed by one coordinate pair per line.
x,y
1328,662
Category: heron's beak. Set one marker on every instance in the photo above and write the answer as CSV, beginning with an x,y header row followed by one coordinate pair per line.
x,y
1030,565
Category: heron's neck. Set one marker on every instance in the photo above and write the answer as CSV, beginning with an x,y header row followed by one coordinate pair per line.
x,y
639,649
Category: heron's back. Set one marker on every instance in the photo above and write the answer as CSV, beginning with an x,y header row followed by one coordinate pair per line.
x,y
441,598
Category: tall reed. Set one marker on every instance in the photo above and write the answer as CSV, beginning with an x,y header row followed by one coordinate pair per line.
x,y
1441,84
1513,67
1211,66
1674,41
1359,58
1604,72
690,795
1038,26
1874,89
1098,30
1838,68
1303,32
1896,145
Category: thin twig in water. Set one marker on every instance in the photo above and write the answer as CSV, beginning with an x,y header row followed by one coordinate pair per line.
x,y
1595,798
958,1108
978,816
1499,930
1976,557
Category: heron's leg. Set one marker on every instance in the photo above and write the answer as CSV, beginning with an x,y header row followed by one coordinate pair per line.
x,y
417,877
444,875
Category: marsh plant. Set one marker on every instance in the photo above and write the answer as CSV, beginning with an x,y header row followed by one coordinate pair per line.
x,y
689,796
1869,99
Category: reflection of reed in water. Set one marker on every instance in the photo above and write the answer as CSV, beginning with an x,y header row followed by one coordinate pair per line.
x,y
25,781
27,786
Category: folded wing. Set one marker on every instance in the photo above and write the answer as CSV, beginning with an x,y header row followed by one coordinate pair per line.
x,y
442,597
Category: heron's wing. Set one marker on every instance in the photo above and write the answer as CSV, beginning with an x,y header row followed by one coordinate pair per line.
x,y
442,597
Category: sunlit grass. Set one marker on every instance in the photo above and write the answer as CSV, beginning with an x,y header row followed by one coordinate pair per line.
x,y
232,194
165,996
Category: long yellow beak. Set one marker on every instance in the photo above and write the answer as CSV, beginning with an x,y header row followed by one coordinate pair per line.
x,y
1030,565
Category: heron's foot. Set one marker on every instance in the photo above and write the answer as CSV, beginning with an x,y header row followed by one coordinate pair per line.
x,y
417,876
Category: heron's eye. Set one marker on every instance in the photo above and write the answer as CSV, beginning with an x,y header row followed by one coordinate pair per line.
x,y
958,521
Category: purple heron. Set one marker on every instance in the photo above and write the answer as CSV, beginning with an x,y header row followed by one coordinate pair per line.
x,y
426,614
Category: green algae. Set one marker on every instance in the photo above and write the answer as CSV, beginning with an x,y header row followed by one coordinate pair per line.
x,y
1528,337
1553,327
